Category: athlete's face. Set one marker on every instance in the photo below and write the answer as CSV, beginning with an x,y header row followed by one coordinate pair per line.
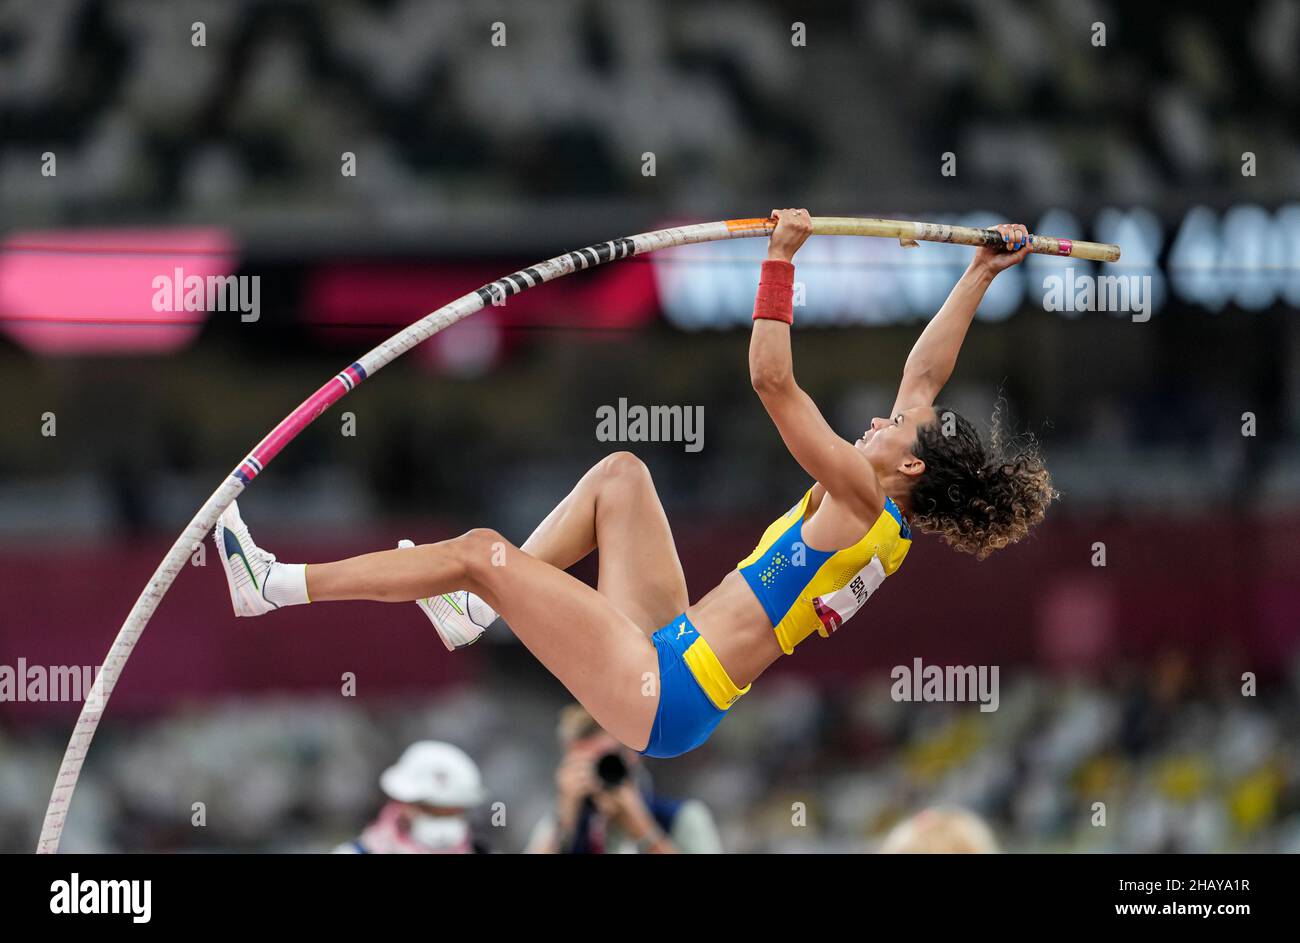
x,y
890,443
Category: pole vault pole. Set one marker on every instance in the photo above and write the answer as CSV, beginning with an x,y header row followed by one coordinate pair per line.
x,y
92,711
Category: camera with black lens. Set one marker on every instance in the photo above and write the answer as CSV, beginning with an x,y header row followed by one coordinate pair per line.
x,y
611,770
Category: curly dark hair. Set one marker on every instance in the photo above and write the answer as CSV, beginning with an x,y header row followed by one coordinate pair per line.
x,y
978,498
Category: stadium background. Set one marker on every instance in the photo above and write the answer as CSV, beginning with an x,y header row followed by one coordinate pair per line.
x,y
1119,684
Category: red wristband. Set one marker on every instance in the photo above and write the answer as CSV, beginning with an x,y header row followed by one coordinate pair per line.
x,y
775,300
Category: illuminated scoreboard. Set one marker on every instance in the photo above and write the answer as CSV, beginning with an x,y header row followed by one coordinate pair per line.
x,y
1247,257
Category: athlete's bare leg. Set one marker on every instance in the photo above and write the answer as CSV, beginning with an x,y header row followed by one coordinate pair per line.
x,y
595,650
579,636
614,509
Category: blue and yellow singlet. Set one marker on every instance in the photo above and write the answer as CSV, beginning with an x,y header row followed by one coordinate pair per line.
x,y
803,590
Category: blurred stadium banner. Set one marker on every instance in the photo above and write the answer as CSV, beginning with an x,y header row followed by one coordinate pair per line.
x,y
112,290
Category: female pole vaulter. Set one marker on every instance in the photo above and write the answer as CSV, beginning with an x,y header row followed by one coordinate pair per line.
x,y
654,670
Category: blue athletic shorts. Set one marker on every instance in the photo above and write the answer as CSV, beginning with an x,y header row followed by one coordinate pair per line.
x,y
694,690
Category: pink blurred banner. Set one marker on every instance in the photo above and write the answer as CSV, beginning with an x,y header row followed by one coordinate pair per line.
x,y
96,291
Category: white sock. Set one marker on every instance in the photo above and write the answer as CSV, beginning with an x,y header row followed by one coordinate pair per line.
x,y
286,584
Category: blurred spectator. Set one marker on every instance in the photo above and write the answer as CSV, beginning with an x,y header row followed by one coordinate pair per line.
x,y
604,806
432,788
941,831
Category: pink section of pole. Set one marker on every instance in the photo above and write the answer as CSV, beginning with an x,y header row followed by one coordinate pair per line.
x,y
298,420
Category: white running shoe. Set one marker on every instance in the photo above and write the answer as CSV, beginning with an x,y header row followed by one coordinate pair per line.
x,y
247,566
459,617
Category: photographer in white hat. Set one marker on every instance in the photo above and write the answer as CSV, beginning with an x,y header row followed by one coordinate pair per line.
x,y
432,789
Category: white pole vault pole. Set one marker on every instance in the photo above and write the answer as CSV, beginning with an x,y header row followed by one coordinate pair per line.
x,y
201,524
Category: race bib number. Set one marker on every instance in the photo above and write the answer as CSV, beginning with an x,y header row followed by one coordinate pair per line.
x,y
834,609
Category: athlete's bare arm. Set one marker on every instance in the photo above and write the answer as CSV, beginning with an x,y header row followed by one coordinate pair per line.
x,y
932,359
841,469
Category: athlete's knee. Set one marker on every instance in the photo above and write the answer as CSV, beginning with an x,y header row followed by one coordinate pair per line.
x,y
624,467
482,550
